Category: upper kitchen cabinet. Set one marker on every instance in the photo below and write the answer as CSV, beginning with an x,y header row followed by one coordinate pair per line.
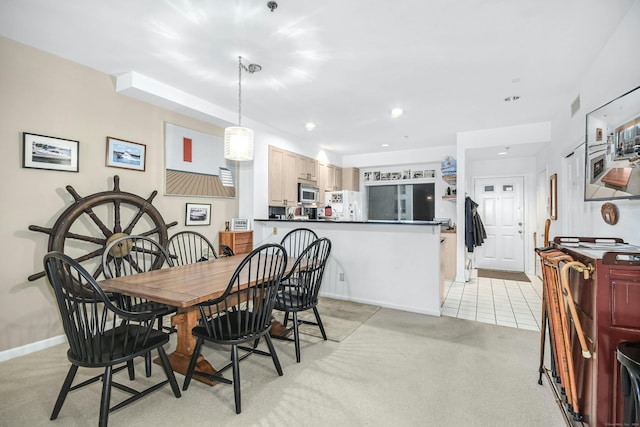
x,y
307,168
351,179
330,177
283,182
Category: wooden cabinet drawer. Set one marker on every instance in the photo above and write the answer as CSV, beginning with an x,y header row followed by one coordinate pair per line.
x,y
243,238
240,242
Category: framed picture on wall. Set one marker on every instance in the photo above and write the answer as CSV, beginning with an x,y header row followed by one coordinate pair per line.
x,y
198,214
49,152
126,154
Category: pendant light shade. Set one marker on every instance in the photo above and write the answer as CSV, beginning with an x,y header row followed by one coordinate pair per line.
x,y
238,143
238,140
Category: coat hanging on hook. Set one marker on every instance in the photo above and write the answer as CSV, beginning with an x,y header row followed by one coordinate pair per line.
x,y
474,233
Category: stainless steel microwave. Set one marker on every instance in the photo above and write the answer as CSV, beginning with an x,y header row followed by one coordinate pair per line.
x,y
307,194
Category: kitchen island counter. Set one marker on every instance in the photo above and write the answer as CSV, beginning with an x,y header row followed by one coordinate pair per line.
x,y
335,221
391,264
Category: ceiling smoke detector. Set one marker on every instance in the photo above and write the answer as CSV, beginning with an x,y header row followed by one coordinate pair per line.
x,y
272,5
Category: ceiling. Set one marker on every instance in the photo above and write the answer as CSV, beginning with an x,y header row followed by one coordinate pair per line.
x,y
340,64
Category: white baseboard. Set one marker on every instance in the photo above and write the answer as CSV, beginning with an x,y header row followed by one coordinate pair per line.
x,y
385,305
30,348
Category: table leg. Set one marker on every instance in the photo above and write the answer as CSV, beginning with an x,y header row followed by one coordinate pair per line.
x,y
184,321
278,330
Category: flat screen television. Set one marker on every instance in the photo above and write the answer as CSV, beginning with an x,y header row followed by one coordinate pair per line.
x,y
612,160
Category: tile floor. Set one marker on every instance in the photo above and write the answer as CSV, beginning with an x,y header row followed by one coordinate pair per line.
x,y
496,301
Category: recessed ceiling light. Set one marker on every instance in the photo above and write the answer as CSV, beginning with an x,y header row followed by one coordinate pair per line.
x,y
310,126
512,98
384,145
397,112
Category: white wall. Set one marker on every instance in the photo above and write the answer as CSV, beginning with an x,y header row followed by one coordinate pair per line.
x,y
533,133
45,94
615,71
391,265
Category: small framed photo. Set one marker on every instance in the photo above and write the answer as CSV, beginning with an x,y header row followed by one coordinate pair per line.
x,y
198,214
49,152
126,154
239,224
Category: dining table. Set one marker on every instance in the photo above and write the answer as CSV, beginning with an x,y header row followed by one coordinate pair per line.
x,y
183,287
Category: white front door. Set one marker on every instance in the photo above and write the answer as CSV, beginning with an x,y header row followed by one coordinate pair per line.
x,y
501,211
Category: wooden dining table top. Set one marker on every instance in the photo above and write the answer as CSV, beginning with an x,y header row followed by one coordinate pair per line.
x,y
182,286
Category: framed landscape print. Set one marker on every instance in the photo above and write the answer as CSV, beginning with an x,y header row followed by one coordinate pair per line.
x,y
49,152
126,154
198,214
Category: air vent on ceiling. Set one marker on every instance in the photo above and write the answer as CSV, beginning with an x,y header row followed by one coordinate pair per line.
x,y
575,106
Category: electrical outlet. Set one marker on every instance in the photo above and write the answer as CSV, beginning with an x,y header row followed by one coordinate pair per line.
x,y
342,277
275,231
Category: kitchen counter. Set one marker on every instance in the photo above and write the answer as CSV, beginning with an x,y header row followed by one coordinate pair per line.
x,y
335,221
386,263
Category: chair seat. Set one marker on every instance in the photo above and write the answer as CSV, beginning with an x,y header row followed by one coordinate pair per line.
x,y
117,345
294,300
235,327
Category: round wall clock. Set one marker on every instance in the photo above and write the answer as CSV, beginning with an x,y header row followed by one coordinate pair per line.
x,y
609,213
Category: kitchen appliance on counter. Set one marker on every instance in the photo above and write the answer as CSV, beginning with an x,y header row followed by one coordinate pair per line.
x,y
345,205
445,223
307,194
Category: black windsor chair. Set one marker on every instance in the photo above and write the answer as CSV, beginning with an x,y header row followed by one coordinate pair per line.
x,y
242,314
297,240
188,247
629,357
101,335
133,254
300,288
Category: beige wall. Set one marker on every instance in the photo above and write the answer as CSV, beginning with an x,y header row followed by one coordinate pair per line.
x,y
44,94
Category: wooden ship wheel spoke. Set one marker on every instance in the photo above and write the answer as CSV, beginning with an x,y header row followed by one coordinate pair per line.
x,y
76,230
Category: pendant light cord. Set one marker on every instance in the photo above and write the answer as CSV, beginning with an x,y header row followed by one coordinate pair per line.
x,y
239,91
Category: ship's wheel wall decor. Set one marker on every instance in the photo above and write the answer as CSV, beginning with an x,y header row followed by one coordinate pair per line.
x,y
85,228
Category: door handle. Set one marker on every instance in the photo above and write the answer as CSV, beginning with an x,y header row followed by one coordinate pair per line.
x,y
520,231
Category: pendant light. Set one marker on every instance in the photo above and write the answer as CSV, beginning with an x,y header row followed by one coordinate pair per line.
x,y
238,140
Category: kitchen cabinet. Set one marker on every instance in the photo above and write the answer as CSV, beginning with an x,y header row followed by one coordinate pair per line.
x,y
447,260
332,178
283,182
351,179
240,242
307,168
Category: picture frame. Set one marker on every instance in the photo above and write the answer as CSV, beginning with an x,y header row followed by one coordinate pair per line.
x,y
553,196
50,152
198,214
239,224
126,154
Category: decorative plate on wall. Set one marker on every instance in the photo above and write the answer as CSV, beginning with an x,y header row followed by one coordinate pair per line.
x,y
609,213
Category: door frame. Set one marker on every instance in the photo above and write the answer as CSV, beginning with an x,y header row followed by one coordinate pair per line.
x,y
528,211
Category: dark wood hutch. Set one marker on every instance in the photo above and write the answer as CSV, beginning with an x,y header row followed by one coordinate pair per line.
x,y
608,306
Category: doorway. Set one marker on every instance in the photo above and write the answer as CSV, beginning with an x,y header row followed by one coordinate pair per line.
x,y
501,205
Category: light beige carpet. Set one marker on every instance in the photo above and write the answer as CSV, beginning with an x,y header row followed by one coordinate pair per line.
x,y
339,318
